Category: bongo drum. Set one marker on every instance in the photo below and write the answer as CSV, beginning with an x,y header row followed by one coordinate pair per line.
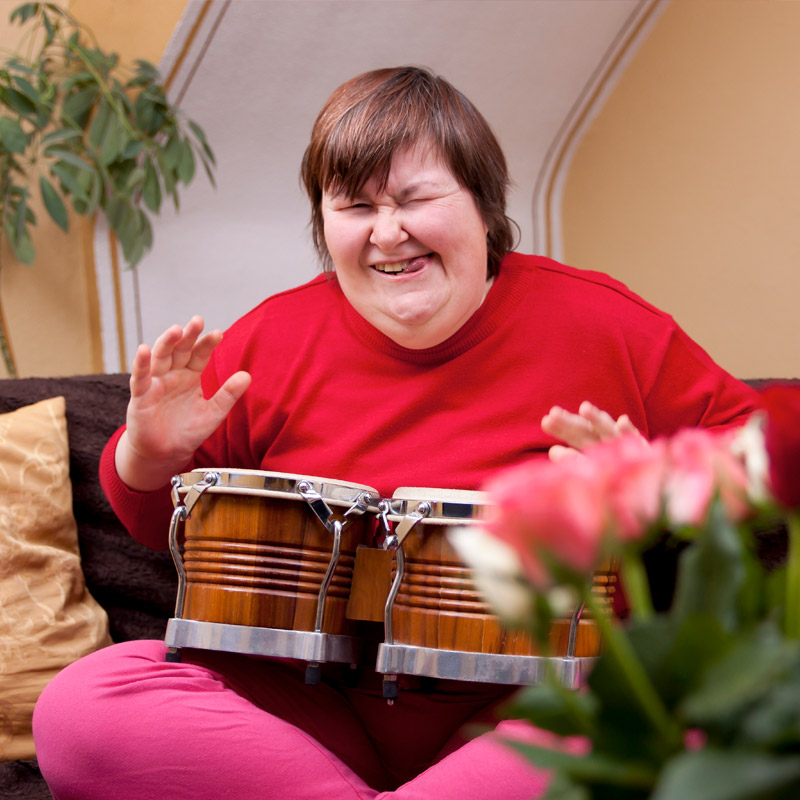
x,y
266,563
437,623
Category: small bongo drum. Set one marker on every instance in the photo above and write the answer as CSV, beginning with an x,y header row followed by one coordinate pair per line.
x,y
437,623
266,563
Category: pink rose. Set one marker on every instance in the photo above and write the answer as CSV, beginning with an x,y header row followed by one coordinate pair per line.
x,y
782,439
634,473
702,465
546,509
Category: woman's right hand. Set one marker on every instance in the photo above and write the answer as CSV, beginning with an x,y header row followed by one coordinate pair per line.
x,y
168,418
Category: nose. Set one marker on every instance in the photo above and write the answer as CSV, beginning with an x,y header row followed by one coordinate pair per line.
x,y
387,229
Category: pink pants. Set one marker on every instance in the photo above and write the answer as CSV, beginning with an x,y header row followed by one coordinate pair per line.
x,y
123,723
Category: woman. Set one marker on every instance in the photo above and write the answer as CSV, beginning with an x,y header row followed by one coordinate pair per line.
x,y
429,356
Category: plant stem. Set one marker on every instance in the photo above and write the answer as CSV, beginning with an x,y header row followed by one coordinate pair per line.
x,y
792,616
636,587
618,645
5,343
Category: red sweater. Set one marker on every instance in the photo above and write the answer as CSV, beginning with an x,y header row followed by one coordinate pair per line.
x,y
333,397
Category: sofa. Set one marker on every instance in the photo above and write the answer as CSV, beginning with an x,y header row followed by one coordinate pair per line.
x,y
134,587
127,591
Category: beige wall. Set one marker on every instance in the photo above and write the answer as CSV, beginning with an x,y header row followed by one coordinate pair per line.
x,y
687,184
51,307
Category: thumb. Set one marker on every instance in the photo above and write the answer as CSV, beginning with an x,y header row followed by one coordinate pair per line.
x,y
230,393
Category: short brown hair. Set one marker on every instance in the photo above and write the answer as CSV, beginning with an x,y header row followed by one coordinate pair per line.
x,y
374,115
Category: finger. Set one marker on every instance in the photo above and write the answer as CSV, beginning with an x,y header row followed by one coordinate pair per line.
x,y
140,371
201,353
571,428
603,424
184,348
230,392
558,452
625,426
163,349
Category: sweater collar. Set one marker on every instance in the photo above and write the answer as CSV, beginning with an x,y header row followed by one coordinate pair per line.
x,y
508,290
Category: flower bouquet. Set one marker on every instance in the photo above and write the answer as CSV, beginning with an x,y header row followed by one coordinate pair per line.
x,y
696,700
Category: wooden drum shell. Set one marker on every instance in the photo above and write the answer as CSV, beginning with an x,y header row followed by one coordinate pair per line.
x,y
260,561
438,606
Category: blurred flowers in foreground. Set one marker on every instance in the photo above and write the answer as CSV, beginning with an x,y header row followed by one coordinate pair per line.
x,y
702,700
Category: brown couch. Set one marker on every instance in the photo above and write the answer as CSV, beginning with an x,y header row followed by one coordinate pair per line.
x,y
135,586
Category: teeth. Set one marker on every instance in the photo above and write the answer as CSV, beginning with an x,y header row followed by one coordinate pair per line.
x,y
397,266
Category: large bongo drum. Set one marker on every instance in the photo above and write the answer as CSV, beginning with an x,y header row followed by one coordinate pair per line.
x,y
437,623
266,563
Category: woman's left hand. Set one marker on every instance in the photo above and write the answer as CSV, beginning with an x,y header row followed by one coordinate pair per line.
x,y
589,426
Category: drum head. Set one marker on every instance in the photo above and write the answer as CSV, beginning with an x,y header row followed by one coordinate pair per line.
x,y
280,484
448,506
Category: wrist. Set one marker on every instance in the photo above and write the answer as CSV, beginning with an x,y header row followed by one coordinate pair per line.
x,y
143,474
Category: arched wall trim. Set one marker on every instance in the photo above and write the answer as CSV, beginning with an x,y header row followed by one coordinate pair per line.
x,y
547,194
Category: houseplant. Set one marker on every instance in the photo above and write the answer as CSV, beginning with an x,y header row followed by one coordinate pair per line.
x,y
697,701
84,130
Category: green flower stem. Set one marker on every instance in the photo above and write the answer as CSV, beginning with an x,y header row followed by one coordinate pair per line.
x,y
636,587
617,644
792,617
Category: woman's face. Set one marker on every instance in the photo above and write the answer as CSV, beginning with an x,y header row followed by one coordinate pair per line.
x,y
411,259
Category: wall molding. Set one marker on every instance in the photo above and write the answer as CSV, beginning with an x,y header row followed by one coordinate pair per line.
x,y
552,177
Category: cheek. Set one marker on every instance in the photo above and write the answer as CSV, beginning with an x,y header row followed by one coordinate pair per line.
x,y
339,238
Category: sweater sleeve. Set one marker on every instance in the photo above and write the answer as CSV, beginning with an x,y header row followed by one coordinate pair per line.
x,y
145,515
689,387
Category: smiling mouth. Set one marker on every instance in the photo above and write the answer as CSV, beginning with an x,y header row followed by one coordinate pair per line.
x,y
402,267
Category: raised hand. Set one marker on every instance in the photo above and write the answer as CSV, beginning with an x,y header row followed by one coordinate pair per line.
x,y
168,418
588,426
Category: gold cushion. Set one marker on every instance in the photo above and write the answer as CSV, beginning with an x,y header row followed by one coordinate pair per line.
x,y
48,619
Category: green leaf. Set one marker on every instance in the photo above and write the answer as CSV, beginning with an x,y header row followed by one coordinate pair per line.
x,y
209,173
66,175
24,12
115,211
69,158
28,90
167,174
562,788
151,192
555,709
116,137
711,572
591,767
149,111
21,245
14,139
20,103
729,775
146,68
186,163
49,28
741,678
172,152
135,179
698,642
99,127
95,192
132,149
78,105
775,721
19,228
54,204
201,137
146,230
61,135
